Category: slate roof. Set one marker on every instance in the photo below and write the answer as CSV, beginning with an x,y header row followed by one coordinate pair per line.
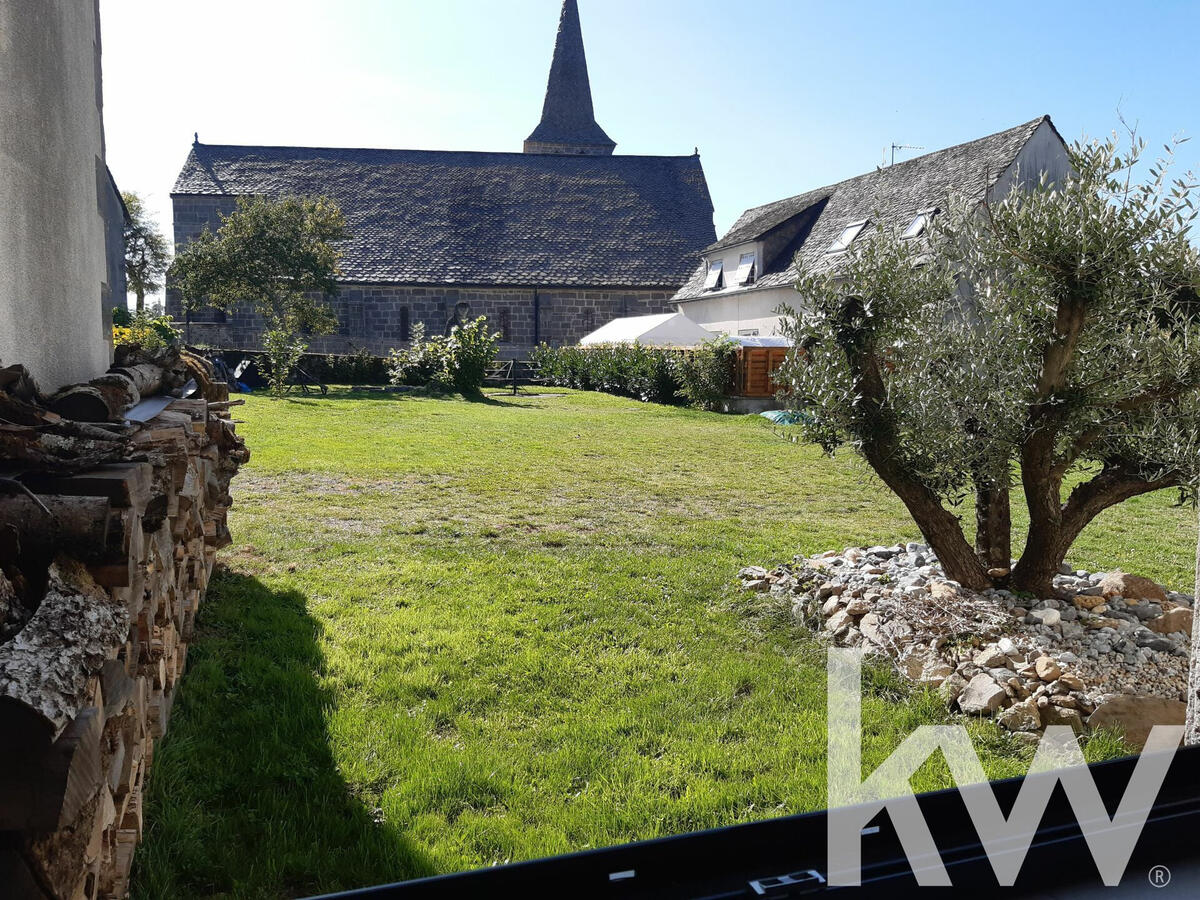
x,y
567,114
890,196
446,217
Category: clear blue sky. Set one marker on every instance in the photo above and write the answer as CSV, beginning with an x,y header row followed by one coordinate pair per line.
x,y
780,96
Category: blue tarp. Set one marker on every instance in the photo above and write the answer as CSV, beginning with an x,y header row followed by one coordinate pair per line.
x,y
785,416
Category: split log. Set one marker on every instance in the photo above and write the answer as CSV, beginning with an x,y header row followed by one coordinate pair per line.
x,y
18,881
43,791
17,383
47,451
116,687
58,857
13,612
124,484
18,411
48,524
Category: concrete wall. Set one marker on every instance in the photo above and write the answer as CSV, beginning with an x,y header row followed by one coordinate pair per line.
x,y
56,202
378,317
741,312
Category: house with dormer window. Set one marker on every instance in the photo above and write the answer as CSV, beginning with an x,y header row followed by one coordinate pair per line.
x,y
748,274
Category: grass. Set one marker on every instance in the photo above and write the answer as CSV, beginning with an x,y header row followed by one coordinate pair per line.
x,y
451,634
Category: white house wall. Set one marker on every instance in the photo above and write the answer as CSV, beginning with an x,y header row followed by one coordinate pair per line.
x,y
1044,152
53,254
741,311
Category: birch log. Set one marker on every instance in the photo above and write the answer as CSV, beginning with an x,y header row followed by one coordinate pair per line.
x,y
44,670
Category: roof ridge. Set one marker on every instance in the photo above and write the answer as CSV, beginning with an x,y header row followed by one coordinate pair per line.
x,y
514,153
1032,125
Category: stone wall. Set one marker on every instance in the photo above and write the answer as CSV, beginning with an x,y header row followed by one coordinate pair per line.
x,y
378,317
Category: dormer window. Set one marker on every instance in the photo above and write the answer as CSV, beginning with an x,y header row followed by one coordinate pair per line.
x,y
746,268
714,281
846,238
920,224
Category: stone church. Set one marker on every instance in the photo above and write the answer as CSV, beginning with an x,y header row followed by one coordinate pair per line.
x,y
549,244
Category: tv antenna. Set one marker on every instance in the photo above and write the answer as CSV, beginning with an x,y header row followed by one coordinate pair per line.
x,y
896,147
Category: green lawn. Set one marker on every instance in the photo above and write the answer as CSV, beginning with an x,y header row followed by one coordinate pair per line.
x,y
453,634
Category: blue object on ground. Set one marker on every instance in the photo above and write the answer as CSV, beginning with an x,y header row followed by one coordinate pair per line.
x,y
785,416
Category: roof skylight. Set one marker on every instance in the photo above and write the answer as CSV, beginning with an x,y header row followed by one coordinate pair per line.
x,y
920,224
846,238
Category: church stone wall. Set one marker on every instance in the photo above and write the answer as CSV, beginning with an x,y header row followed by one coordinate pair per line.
x,y
378,317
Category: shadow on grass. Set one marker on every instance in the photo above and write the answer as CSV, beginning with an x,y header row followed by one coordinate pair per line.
x,y
244,797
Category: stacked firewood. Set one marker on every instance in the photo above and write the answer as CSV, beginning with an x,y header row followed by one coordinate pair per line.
x,y
113,500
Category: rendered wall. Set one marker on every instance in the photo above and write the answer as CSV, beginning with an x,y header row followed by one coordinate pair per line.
x,y
741,312
57,205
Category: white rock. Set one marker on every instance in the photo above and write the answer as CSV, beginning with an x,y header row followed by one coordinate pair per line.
x,y
1023,716
859,606
838,621
991,658
981,696
1047,617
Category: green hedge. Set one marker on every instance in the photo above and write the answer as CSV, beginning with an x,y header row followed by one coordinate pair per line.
x,y
702,376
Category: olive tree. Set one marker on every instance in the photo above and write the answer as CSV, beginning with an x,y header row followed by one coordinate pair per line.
x,y
1047,342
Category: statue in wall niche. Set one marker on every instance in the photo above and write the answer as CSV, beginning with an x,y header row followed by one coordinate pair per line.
x,y
462,315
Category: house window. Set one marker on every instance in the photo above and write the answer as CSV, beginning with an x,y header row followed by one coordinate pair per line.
x,y
506,325
846,238
746,269
920,223
714,281
589,320
748,332
405,324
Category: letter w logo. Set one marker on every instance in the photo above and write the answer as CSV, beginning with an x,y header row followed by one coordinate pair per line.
x,y
854,802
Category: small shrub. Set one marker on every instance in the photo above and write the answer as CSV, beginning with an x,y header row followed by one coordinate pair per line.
x,y
459,361
470,349
281,353
146,329
419,363
706,374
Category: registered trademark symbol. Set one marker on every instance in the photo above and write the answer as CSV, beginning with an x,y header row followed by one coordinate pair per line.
x,y
1160,876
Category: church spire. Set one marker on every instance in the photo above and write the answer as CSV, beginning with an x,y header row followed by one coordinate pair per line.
x,y
568,123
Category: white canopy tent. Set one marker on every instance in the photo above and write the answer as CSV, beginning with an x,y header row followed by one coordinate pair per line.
x,y
662,330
